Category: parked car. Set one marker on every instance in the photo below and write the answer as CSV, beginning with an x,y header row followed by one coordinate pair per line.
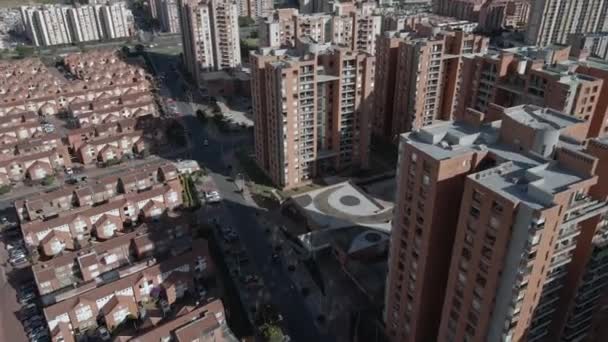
x,y
104,334
18,262
212,197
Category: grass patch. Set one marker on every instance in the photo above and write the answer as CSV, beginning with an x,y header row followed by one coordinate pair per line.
x,y
5,189
302,189
260,186
48,180
190,195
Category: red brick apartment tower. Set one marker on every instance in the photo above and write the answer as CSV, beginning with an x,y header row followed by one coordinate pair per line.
x,y
585,295
311,110
484,224
418,77
542,76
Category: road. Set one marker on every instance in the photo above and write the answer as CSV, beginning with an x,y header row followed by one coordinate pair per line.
x,y
240,214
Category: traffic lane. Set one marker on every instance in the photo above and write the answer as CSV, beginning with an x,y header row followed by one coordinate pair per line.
x,y
299,321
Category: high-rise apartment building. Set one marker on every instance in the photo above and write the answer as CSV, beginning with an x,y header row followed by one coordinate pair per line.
x,y
311,111
490,14
85,23
594,44
409,22
286,26
348,26
356,27
210,35
316,6
541,76
551,21
418,77
592,287
255,8
485,226
57,24
168,15
117,20
46,25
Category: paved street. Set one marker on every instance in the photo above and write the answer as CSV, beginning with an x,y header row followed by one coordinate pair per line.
x,y
241,214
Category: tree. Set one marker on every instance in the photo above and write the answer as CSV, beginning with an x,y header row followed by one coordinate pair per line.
x,y
24,51
126,50
48,180
246,21
272,333
5,189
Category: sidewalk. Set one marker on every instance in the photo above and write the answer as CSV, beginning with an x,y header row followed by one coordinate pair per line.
x,y
300,277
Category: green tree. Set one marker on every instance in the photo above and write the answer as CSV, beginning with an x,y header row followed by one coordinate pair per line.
x,y
24,51
48,180
272,333
246,21
5,189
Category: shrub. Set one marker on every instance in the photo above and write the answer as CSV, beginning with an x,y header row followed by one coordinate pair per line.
x,y
4,189
48,180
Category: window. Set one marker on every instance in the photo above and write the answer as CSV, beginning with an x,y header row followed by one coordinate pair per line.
x,y
494,222
477,197
468,239
426,180
497,207
536,239
466,254
481,281
474,212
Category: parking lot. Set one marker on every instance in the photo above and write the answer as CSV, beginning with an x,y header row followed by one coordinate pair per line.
x,y
20,317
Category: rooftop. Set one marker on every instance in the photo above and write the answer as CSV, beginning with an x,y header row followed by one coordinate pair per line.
x,y
515,174
343,205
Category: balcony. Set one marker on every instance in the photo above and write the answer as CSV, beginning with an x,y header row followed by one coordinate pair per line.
x,y
584,209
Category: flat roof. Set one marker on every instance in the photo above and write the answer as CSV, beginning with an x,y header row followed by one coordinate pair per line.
x,y
343,205
516,175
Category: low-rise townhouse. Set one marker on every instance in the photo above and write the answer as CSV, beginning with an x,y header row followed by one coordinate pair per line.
x,y
102,261
52,203
128,209
206,322
14,134
110,109
115,301
77,137
16,118
35,166
28,85
112,147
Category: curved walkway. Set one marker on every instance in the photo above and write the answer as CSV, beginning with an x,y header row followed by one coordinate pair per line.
x,y
321,202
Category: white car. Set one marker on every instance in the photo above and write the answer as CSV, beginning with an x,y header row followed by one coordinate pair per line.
x,y
69,171
104,334
212,197
205,142
49,128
